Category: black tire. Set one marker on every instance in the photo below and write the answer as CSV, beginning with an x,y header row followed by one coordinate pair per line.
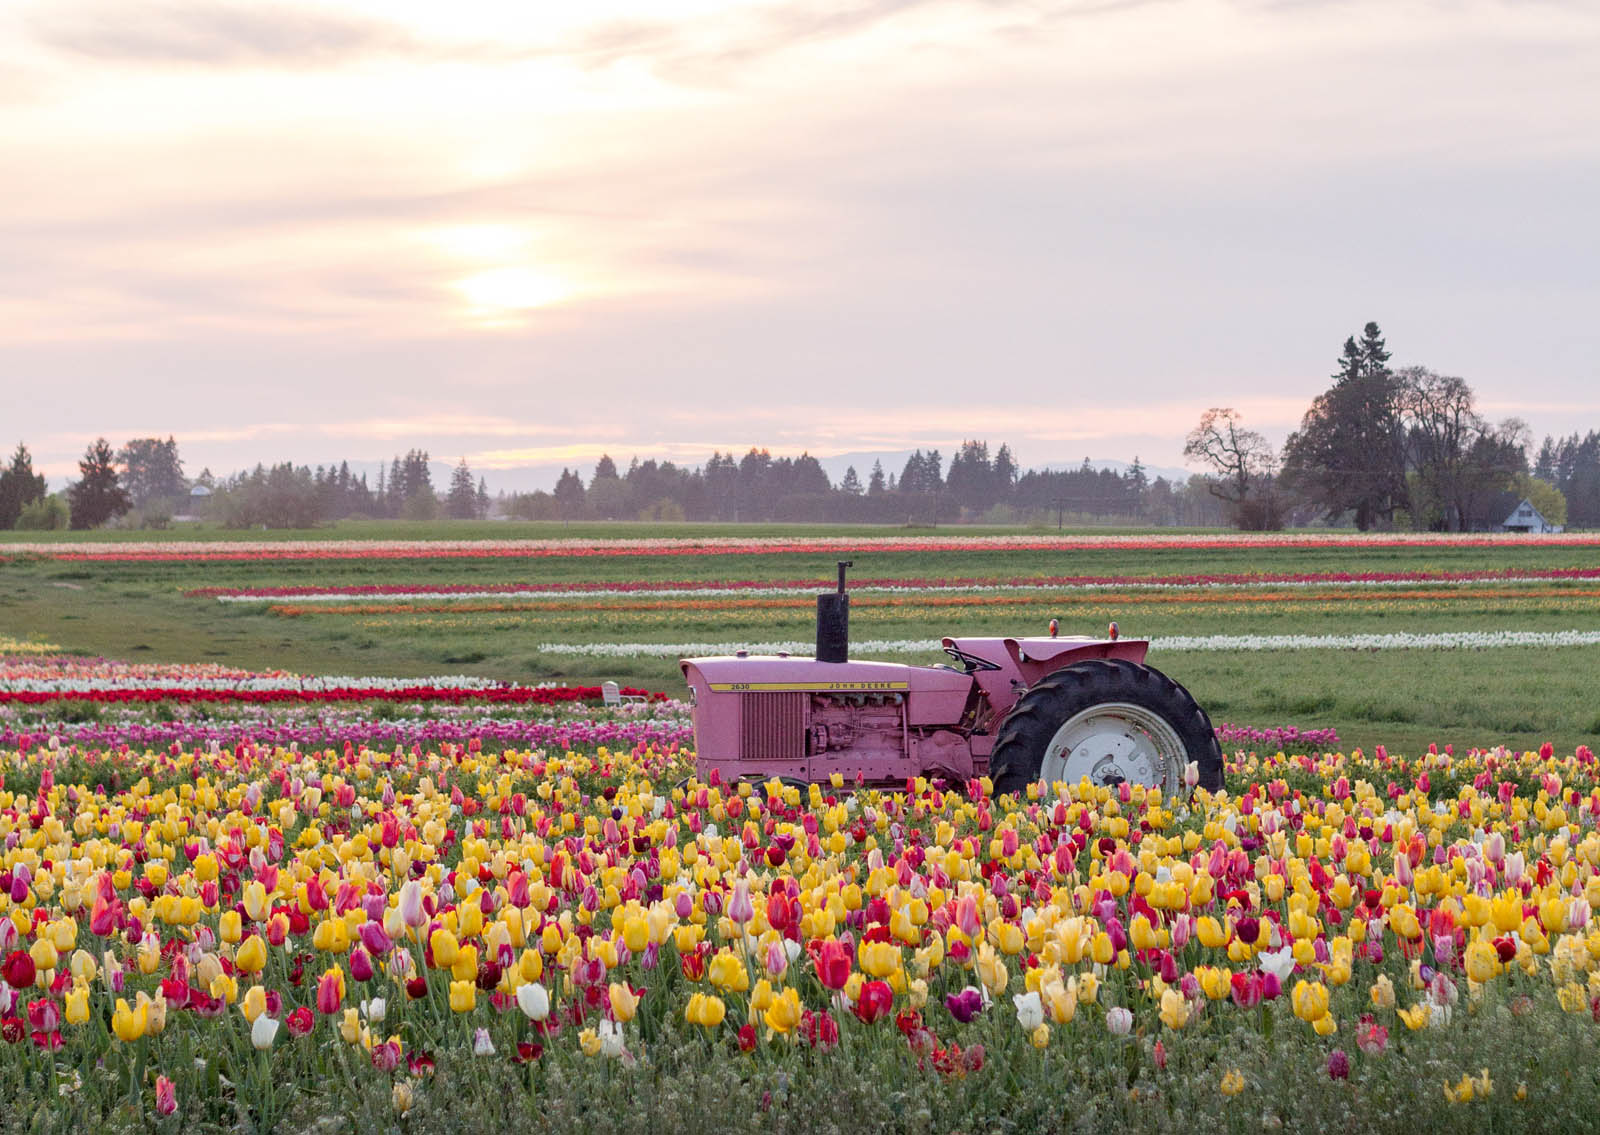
x,y
1054,700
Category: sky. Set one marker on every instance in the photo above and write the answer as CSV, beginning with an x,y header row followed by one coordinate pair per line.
x,y
524,234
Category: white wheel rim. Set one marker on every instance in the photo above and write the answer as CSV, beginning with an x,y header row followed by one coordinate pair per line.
x,y
1115,740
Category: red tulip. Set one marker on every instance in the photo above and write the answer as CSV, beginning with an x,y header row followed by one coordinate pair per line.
x,y
329,992
300,1022
876,1000
833,963
820,1030
19,970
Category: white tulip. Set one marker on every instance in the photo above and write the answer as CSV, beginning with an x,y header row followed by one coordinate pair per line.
x,y
1030,1010
1279,963
534,1001
263,1032
610,1038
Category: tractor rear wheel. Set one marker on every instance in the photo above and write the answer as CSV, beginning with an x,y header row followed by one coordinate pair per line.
x,y
1110,721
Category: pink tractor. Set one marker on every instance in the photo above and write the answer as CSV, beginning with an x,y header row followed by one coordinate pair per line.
x,y
1022,710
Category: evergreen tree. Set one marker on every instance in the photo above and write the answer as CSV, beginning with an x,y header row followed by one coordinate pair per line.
x,y
462,501
875,483
722,486
569,495
971,479
610,497
1005,473
851,483
1349,454
20,486
96,496
913,478
483,498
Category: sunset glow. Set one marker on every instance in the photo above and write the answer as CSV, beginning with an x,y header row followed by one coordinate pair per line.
x,y
902,207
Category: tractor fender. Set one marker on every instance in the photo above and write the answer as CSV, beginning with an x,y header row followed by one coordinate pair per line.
x,y
1021,662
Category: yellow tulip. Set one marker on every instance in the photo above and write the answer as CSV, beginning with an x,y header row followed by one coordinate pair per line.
x,y
1008,936
77,1011
254,1003
445,948
636,934
880,959
1142,935
1310,1000
1174,1009
251,956
1215,982
45,955
129,1024
1417,1016
728,972
255,901
1481,960
992,971
465,967
463,996
784,1012
1383,992
624,1001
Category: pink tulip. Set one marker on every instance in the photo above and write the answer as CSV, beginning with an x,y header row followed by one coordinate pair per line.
x,y
375,939
411,904
740,908
166,1096
777,959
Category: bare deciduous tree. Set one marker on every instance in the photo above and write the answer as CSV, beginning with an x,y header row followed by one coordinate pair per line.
x,y
1244,463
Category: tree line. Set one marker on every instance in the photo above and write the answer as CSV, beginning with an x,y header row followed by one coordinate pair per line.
x,y
1387,448
975,486
143,485
1380,448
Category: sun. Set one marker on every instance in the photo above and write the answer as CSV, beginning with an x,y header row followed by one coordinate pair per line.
x,y
511,289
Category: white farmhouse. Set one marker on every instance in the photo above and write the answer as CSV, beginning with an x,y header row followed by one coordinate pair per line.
x,y
1526,518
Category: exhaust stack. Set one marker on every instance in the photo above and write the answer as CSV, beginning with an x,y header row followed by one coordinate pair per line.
x,y
833,621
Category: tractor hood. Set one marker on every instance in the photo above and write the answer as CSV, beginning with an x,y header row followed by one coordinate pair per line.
x,y
776,673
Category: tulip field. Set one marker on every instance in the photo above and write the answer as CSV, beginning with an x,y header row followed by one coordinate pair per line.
x,y
256,876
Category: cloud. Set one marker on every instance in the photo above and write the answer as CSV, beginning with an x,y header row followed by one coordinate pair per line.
x,y
216,34
708,50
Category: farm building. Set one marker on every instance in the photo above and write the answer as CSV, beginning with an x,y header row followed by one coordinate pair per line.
x,y
1526,518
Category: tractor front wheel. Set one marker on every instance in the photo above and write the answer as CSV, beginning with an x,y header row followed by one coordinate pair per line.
x,y
1109,721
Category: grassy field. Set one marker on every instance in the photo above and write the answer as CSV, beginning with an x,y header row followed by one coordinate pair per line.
x,y
1403,699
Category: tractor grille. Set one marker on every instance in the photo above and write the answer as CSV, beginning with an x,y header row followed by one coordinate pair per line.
x,y
772,726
